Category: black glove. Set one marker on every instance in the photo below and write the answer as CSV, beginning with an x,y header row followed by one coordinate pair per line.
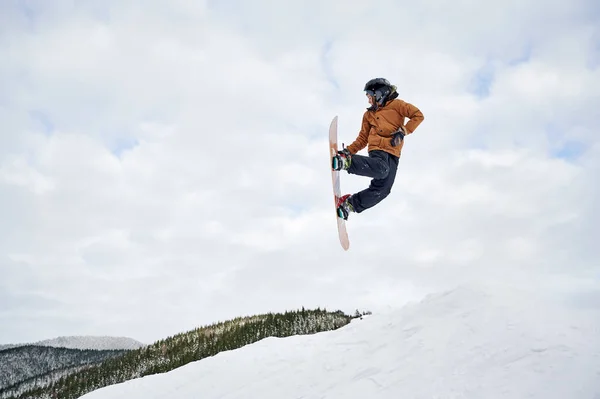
x,y
397,137
345,152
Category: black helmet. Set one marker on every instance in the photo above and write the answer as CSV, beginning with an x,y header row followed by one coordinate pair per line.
x,y
380,89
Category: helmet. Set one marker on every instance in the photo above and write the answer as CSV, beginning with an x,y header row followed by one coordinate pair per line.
x,y
380,89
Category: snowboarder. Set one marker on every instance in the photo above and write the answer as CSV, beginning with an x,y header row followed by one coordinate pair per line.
x,y
383,131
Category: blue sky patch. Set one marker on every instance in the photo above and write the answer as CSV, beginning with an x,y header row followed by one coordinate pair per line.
x,y
523,57
593,60
122,144
26,10
325,64
482,81
570,150
43,121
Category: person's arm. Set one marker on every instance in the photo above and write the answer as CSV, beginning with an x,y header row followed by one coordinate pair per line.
x,y
411,112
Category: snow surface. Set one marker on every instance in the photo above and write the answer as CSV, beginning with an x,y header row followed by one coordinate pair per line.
x,y
86,342
465,343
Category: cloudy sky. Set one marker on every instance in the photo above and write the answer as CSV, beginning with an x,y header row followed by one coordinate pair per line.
x,y
165,165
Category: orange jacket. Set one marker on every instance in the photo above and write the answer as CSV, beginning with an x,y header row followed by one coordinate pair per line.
x,y
379,125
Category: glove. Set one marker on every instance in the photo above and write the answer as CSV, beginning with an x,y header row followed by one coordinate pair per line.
x,y
397,137
345,152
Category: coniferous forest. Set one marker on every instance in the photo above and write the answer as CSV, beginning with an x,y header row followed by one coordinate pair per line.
x,y
175,351
28,366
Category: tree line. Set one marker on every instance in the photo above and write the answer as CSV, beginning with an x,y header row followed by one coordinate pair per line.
x,y
176,351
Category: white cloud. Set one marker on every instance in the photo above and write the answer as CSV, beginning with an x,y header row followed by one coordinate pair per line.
x,y
166,166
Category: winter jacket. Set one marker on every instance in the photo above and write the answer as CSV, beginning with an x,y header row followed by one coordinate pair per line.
x,y
379,125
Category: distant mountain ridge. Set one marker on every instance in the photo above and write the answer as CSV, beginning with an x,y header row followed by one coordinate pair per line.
x,y
92,342
84,342
26,367
32,365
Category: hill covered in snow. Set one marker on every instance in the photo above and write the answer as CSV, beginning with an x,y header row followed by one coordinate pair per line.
x,y
483,342
170,353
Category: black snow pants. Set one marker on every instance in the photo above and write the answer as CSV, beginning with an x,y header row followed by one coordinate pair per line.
x,y
382,167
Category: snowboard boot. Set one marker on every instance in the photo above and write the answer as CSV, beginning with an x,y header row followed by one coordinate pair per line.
x,y
341,161
344,207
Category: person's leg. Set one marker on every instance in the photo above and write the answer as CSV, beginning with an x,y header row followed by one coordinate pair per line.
x,y
382,167
375,165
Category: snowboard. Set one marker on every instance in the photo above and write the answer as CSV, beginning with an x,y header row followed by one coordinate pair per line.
x,y
335,180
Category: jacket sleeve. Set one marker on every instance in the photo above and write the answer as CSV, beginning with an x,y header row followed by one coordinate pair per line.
x,y
411,112
363,137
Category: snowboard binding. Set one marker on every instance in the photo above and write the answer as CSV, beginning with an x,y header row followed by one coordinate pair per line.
x,y
342,160
343,207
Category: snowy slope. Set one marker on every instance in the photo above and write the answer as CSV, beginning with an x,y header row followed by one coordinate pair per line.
x,y
466,343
